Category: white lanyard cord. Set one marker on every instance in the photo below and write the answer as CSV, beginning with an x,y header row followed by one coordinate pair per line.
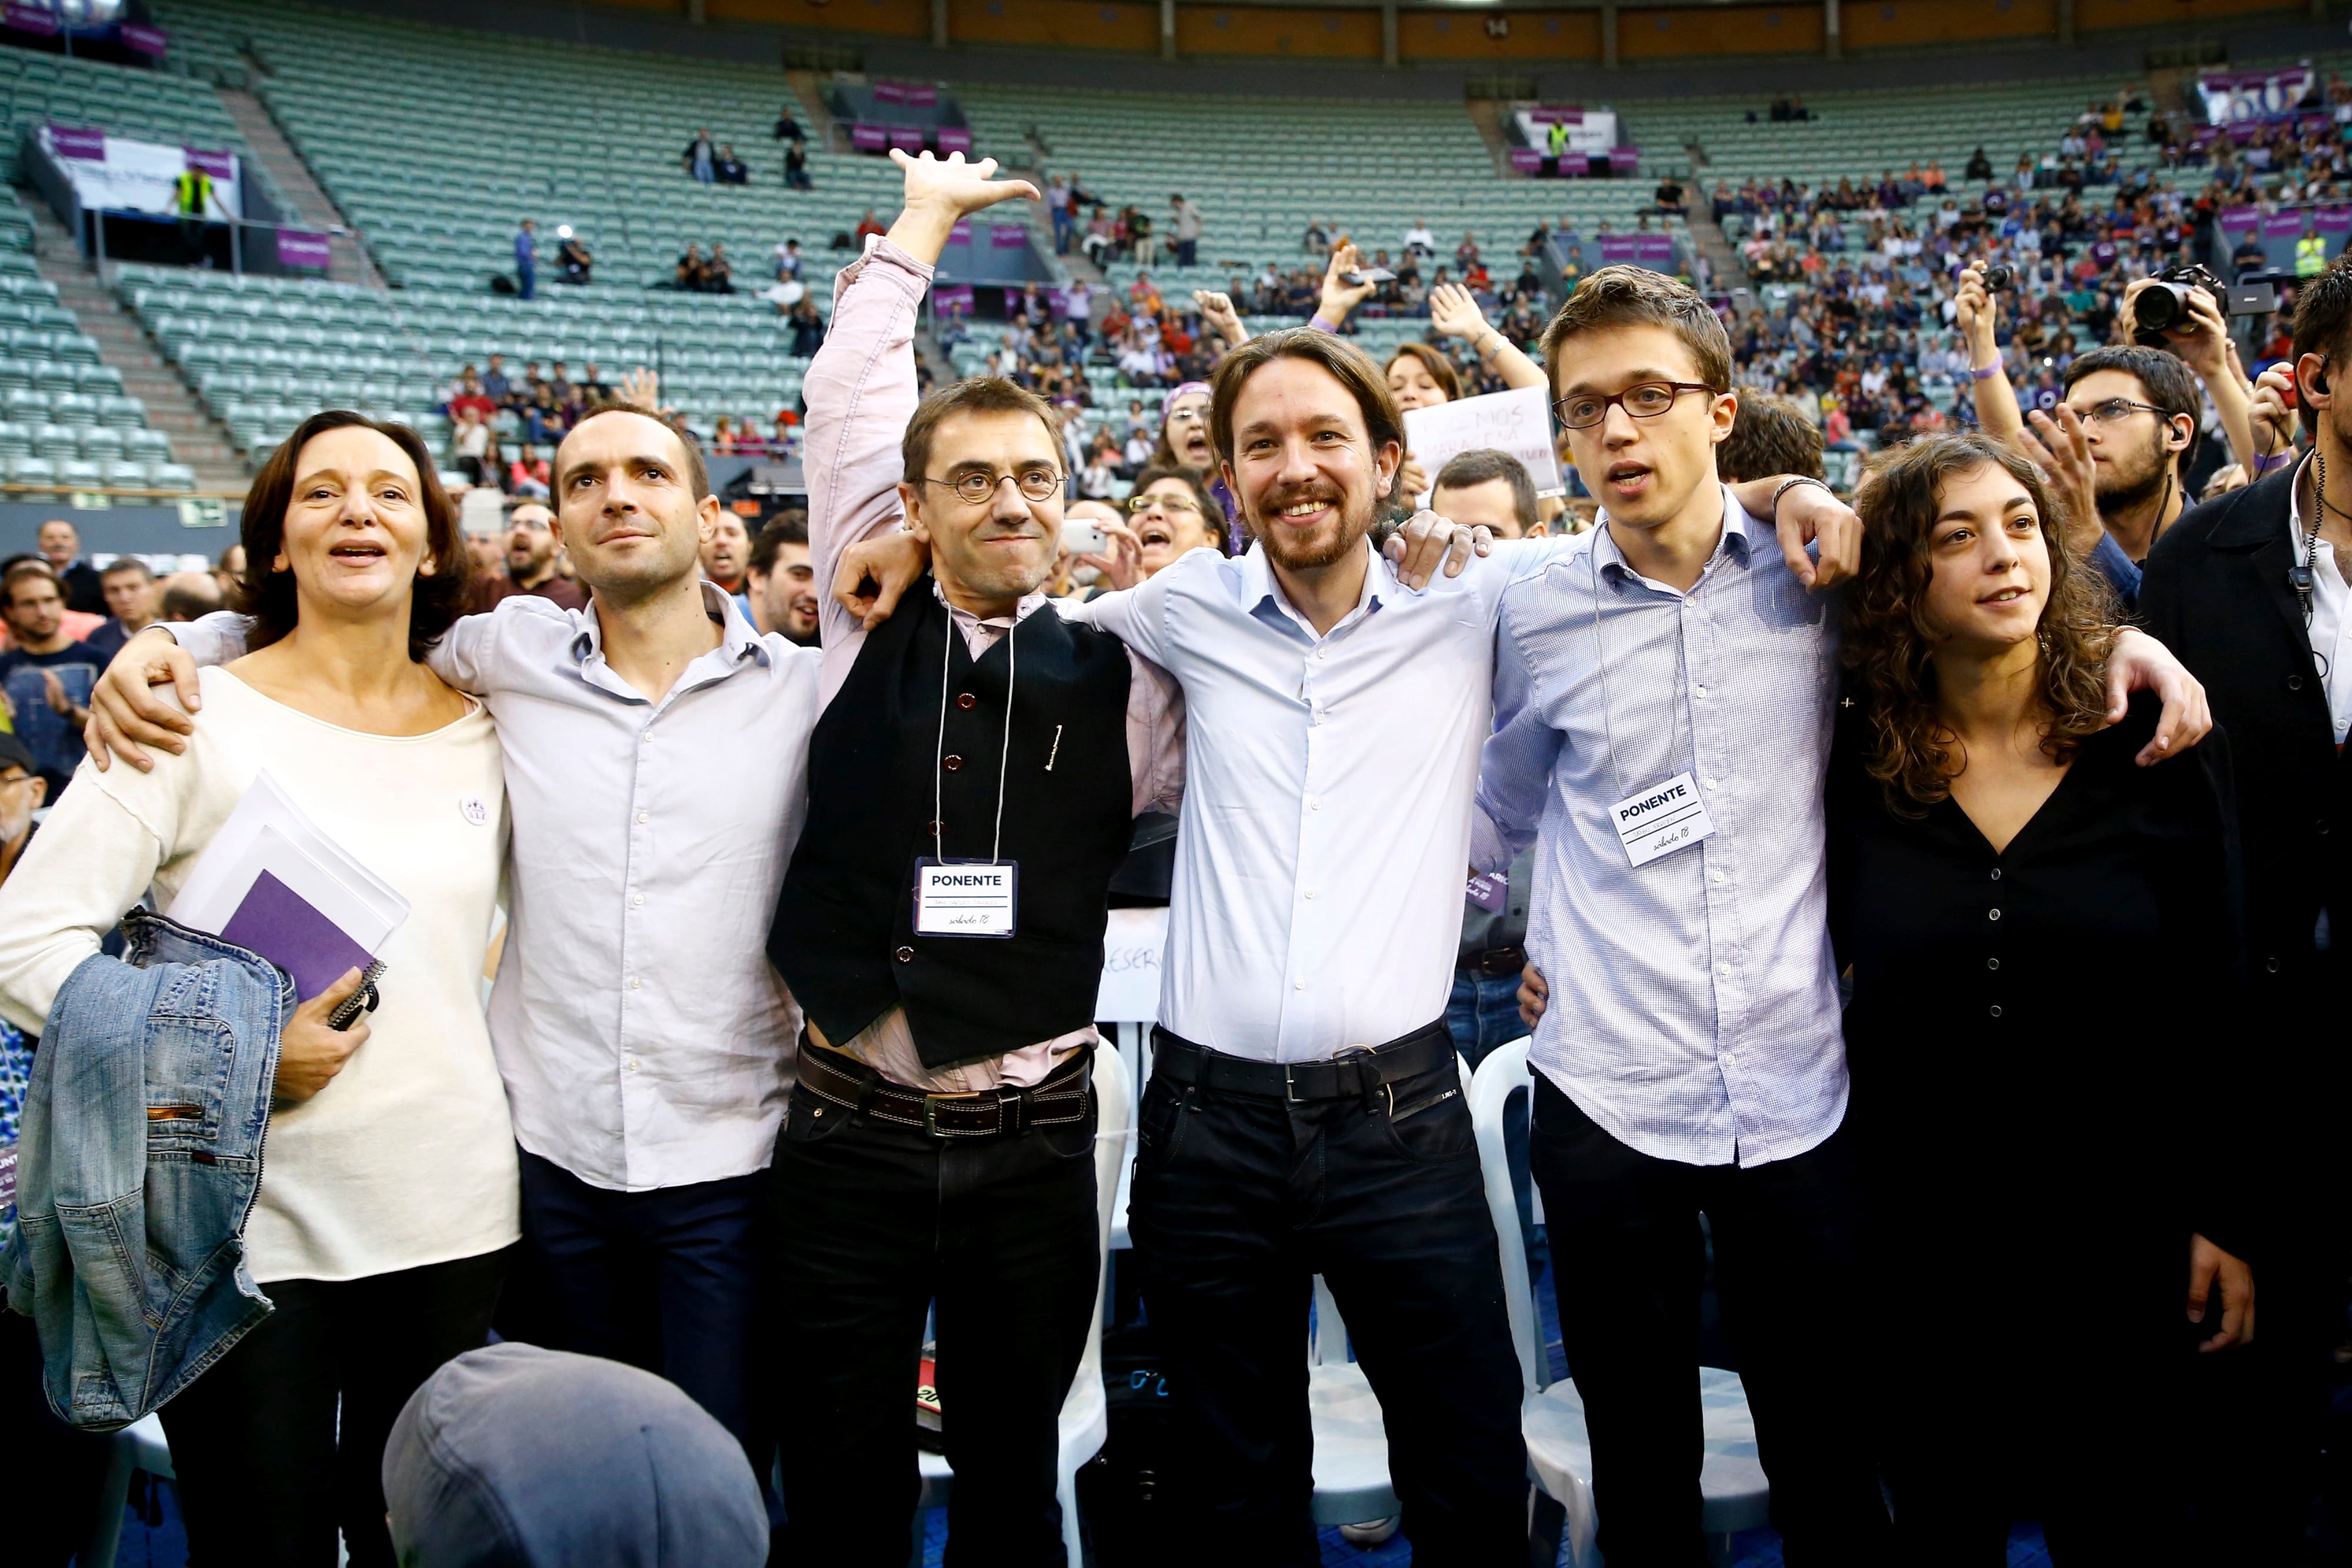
x,y
938,748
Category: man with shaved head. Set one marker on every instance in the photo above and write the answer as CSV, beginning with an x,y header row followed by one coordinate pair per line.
x,y
646,1043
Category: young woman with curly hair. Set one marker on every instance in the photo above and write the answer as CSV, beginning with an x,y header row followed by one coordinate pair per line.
x,y
2043,941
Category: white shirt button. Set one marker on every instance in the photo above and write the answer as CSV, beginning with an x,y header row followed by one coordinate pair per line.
x,y
1723,968
636,984
1306,893
1712,875
1297,984
630,1065
1699,691
640,898
644,816
1314,803
1714,783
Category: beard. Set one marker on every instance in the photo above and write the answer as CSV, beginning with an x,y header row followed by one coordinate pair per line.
x,y
1352,518
2133,483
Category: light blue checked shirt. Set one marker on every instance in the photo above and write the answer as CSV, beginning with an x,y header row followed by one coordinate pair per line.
x,y
1694,1010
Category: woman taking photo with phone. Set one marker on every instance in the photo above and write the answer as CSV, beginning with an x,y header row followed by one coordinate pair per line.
x,y
380,1228
2044,944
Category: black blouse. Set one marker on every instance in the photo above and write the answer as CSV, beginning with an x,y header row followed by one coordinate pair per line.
x,y
2034,1035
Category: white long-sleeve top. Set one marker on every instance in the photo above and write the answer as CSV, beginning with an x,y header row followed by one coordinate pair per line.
x,y
407,1157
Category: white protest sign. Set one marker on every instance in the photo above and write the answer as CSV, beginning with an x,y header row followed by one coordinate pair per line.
x,y
1132,943
1517,422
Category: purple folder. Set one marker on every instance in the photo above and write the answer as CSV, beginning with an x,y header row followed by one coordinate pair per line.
x,y
280,924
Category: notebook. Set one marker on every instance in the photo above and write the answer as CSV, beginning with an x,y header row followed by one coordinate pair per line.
x,y
273,883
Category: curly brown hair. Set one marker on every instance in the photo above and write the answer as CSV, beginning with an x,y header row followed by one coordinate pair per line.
x,y
1914,754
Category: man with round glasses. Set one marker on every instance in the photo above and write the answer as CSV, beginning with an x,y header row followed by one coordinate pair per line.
x,y
973,782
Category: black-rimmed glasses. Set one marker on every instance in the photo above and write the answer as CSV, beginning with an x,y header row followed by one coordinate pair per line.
x,y
1644,400
1035,485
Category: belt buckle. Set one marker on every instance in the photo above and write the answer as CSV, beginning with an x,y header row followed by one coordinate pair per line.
x,y
1291,1086
931,1116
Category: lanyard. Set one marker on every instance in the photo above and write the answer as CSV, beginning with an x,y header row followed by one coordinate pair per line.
x,y
939,749
1600,640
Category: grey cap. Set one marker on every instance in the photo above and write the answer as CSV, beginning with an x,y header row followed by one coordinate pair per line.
x,y
515,1456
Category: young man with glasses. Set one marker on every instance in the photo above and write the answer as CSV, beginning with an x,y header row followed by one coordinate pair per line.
x,y
1664,696
974,783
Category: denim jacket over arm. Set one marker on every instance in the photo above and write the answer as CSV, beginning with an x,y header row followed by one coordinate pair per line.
x,y
139,1160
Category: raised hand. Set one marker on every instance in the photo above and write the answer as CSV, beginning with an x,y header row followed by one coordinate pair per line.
x,y
1217,310
1339,295
1453,311
939,193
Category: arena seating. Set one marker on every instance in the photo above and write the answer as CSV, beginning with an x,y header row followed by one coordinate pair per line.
x,y
152,106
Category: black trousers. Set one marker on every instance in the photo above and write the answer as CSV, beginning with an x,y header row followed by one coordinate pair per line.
x,y
1629,1258
673,1280
1238,1201
266,1474
878,1225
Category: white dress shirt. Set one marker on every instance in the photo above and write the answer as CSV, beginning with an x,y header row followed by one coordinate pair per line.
x,y
1694,1010
645,1039
2331,615
1317,903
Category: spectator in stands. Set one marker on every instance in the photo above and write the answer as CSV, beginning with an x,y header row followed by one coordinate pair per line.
x,y
1172,510
730,170
46,676
868,226
229,571
60,545
1420,238
572,261
725,550
686,276
796,168
718,273
1770,434
1097,240
1483,488
469,397
808,329
2250,256
132,601
1184,224
791,266
527,476
788,125
700,157
1979,166
526,255
1978,641
543,419
495,383
781,581
530,565
382,1233
723,439
189,596
1142,239
1057,204
516,1457
1099,478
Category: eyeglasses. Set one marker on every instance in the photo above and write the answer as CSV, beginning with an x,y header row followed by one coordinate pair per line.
x,y
1644,400
1165,503
1035,485
2114,409
1187,416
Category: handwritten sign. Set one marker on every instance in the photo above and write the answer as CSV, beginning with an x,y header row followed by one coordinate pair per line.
x,y
1132,944
1517,422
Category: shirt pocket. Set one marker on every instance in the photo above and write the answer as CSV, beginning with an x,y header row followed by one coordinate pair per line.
x,y
188,1062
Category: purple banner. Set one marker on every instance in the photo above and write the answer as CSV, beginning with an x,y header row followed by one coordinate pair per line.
x,y
28,19
219,165
78,142
1624,160
954,139
889,92
868,138
922,95
1549,113
1525,160
962,233
146,40
955,299
1616,249
2236,218
2282,226
1006,237
300,247
1654,250
908,137
2333,221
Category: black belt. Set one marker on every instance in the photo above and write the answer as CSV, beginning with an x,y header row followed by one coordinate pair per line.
x,y
993,1113
1359,1070
1496,962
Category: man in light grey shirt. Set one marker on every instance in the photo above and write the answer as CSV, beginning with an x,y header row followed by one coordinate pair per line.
x,y
656,750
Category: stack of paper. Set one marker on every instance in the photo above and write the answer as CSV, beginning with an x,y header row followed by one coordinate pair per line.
x,y
272,883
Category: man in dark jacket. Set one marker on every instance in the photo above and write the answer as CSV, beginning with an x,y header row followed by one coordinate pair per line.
x,y
2251,592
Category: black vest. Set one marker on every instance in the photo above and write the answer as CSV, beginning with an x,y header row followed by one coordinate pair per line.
x,y
843,937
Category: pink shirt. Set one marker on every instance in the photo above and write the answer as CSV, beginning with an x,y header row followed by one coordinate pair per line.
x,y
861,392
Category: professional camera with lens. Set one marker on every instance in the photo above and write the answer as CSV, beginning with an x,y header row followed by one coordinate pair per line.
x,y
2163,306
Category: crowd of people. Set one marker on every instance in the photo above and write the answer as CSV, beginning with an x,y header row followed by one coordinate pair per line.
x,y
1845,948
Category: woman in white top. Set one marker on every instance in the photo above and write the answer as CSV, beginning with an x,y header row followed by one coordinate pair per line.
x,y
388,1201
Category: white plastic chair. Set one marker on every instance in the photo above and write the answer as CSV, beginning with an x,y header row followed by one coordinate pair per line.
x,y
137,1446
1735,1494
1086,1414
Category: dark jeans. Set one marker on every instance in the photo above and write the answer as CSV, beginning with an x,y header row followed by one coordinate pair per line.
x,y
55,1471
673,1280
268,1467
1630,1258
1239,1200
879,1224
